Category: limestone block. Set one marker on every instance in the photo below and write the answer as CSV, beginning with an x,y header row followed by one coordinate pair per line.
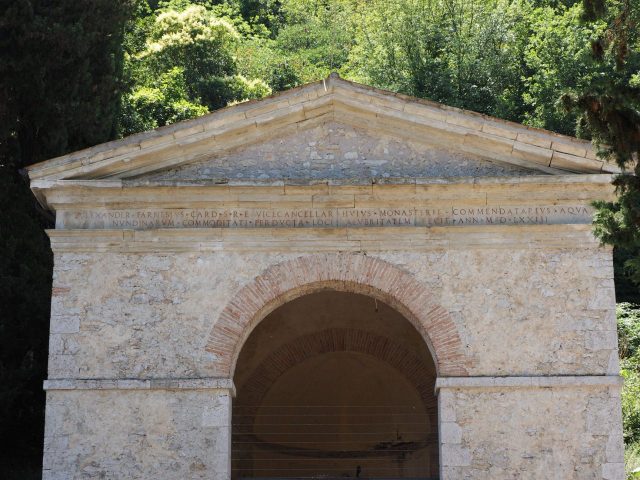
x,y
601,340
500,129
572,162
604,299
453,455
446,406
450,432
426,111
489,142
613,471
615,446
155,141
541,140
613,367
610,167
317,110
532,153
135,435
266,107
579,150
280,118
217,414
552,432
226,119
65,365
199,128
467,121
52,475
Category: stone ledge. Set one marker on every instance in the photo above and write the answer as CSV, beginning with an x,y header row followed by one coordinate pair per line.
x,y
140,384
367,239
225,183
569,381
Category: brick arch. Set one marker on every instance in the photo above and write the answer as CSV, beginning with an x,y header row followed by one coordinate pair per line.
x,y
354,273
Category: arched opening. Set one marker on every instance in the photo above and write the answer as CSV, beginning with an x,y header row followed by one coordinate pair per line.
x,y
335,385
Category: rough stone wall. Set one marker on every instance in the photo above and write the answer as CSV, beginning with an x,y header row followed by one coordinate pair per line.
x,y
531,433
121,434
518,312
335,150
150,315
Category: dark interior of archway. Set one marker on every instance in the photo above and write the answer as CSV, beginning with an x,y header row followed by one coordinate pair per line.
x,y
335,385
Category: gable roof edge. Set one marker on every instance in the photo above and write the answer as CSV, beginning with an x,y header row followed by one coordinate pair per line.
x,y
501,140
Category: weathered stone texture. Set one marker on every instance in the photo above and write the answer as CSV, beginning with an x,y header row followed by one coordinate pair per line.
x,y
336,150
151,315
116,434
500,433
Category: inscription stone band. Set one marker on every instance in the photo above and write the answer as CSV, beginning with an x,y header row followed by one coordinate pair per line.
x,y
414,216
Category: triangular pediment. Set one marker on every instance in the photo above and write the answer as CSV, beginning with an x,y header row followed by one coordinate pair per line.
x,y
332,128
335,150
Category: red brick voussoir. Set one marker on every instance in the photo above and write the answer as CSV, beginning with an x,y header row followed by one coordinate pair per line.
x,y
354,273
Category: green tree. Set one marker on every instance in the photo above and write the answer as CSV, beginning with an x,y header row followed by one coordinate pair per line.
x,y
465,54
558,57
629,347
311,40
185,67
163,103
317,37
610,108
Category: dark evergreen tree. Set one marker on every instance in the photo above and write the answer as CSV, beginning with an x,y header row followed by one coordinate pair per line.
x,y
60,69
610,108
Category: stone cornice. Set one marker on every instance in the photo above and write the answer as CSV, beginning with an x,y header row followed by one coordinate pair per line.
x,y
82,194
484,383
307,106
368,239
551,381
141,384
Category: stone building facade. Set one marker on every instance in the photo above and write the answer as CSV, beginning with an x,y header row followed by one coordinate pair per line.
x,y
335,281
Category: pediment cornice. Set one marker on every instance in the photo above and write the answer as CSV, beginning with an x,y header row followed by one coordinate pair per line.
x,y
332,99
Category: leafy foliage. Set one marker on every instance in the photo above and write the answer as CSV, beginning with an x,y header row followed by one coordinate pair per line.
x,y
185,66
629,344
166,102
514,59
559,34
461,53
632,462
60,74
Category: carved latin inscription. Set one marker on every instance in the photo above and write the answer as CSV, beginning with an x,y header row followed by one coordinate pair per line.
x,y
143,219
